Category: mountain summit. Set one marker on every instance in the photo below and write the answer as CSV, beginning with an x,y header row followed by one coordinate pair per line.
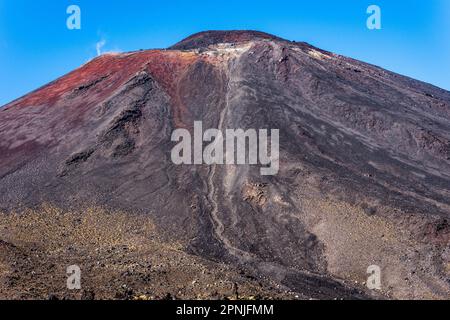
x,y
364,175
207,38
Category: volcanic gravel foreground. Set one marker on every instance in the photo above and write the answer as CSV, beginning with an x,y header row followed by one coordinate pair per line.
x,y
86,178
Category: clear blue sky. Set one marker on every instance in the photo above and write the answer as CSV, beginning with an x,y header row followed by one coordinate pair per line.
x,y
36,46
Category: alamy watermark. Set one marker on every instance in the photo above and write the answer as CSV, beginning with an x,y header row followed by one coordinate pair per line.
x,y
235,146
74,277
374,280
374,20
73,22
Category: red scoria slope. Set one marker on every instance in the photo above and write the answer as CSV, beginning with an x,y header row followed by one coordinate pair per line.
x,y
109,72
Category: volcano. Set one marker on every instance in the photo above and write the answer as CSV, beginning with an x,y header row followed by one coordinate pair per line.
x,y
363,180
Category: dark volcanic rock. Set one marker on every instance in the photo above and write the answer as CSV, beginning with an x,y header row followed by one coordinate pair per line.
x,y
202,40
364,159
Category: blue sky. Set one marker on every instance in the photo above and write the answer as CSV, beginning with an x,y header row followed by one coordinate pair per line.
x,y
36,47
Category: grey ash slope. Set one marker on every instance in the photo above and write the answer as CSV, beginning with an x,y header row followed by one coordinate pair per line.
x,y
365,159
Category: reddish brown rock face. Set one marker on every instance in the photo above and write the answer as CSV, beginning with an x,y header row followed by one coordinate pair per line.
x,y
364,160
